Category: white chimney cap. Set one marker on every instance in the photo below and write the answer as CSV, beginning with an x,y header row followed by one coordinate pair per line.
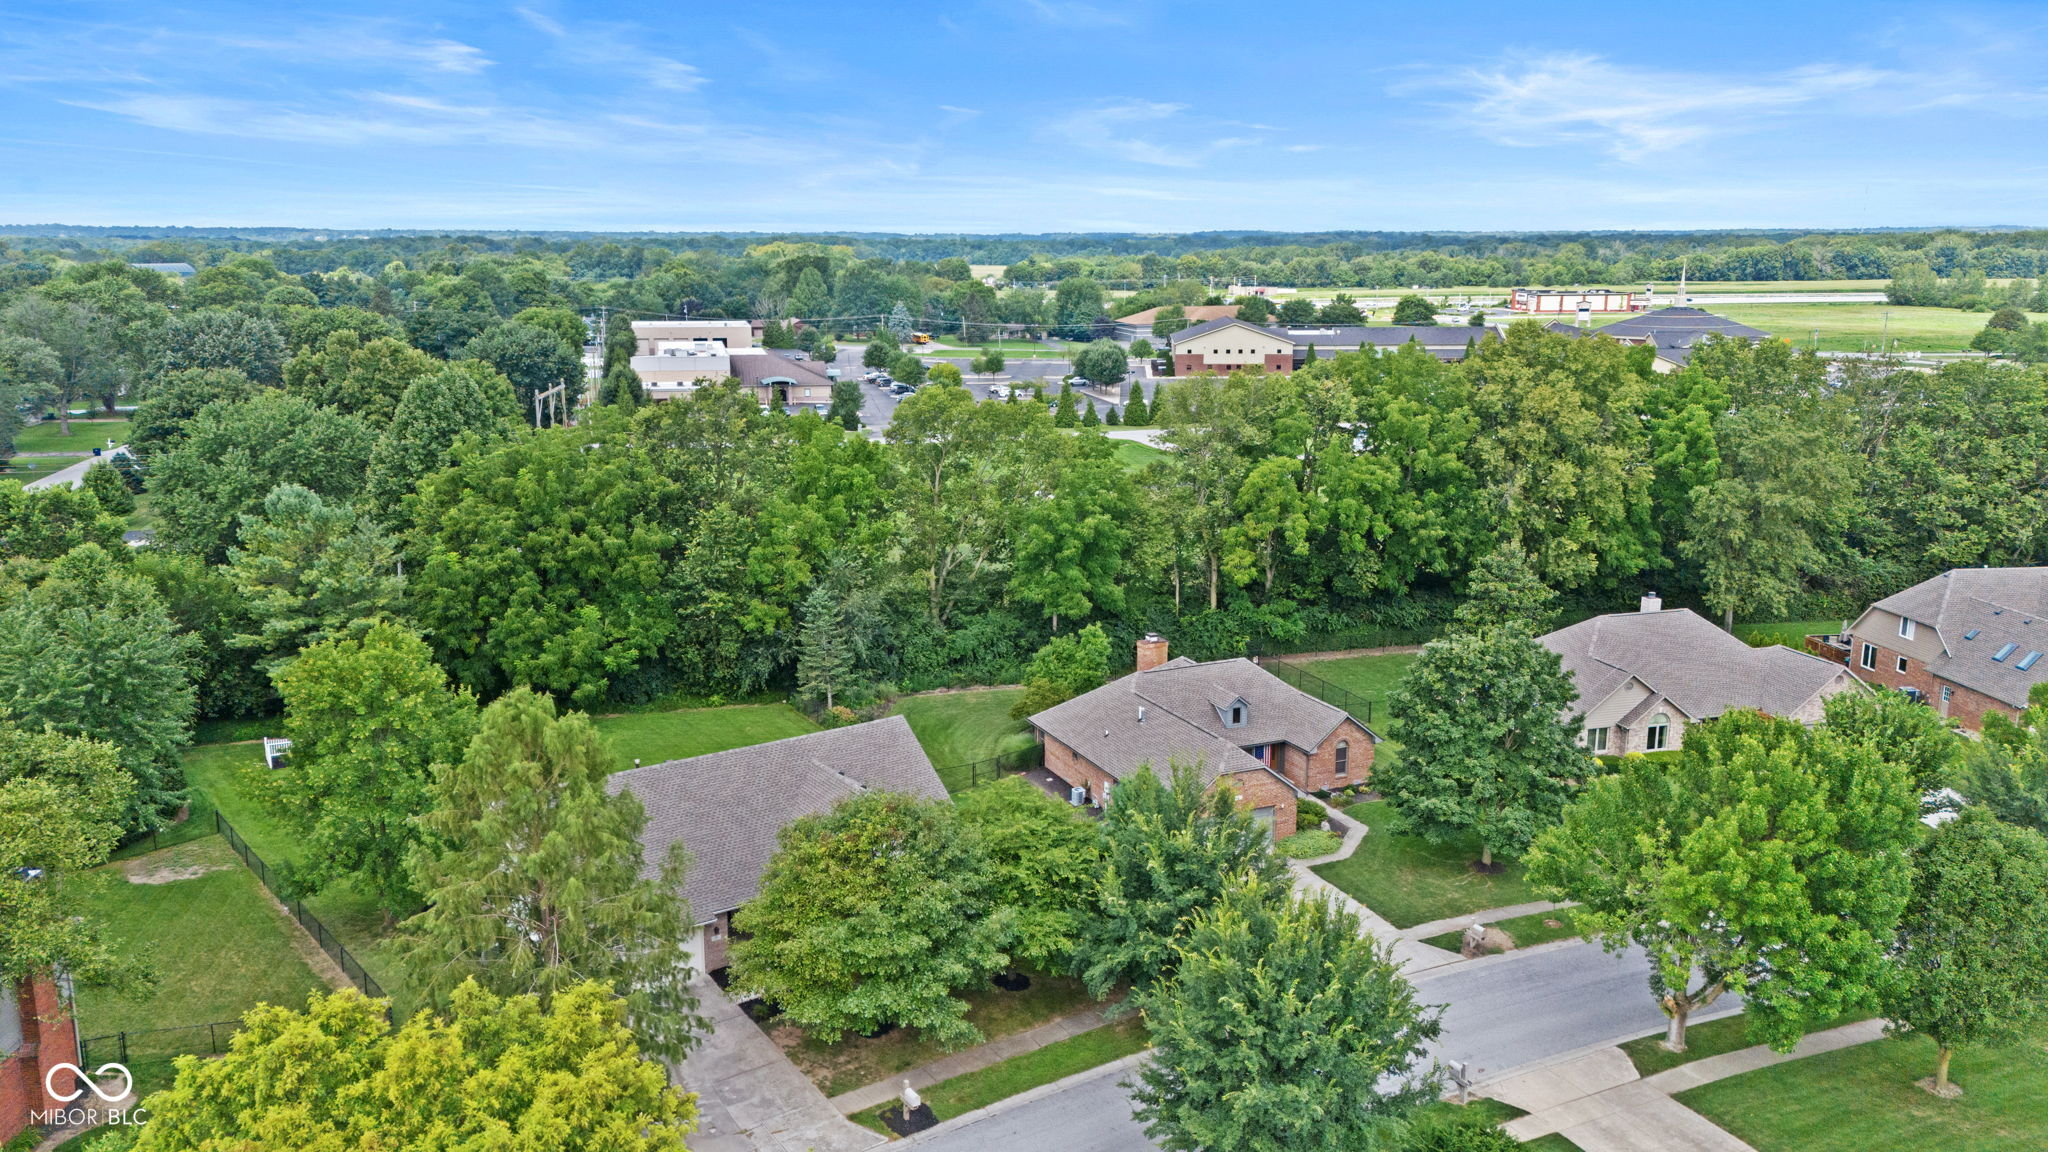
x,y
1651,603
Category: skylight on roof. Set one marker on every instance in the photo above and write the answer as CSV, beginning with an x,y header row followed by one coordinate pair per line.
x,y
2002,653
1972,633
2027,661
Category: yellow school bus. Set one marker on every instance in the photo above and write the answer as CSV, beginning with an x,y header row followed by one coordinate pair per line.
x,y
920,337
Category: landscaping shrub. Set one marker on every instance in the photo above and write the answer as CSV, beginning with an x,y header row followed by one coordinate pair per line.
x,y
1308,814
1308,845
1458,1134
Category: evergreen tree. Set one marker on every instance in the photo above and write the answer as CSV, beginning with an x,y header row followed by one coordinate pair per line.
x,y
621,388
1089,418
310,570
1112,418
1282,999
899,322
809,301
1064,416
106,485
848,399
533,878
1136,412
824,662
1503,589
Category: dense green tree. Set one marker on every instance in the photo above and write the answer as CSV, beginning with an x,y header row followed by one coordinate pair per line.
x,y
567,326
48,522
83,342
209,611
1065,414
174,400
1102,363
1759,529
1071,545
1171,850
881,349
1043,859
1297,310
491,1071
1065,667
808,299
309,328
218,338
1253,309
91,652
847,400
1170,319
1972,950
826,660
434,414
621,387
1076,302
363,378
1901,730
235,453
876,913
1135,410
373,722
61,802
1502,589
107,487
536,564
310,570
906,368
944,373
1284,1027
1340,310
533,359
1489,744
1767,860
1413,309
29,373
532,873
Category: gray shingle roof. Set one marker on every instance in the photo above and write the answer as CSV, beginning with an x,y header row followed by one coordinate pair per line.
x,y
728,807
1343,337
1680,327
2003,606
1184,704
1193,331
1687,660
174,268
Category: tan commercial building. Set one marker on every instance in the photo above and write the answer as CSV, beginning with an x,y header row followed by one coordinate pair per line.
x,y
675,357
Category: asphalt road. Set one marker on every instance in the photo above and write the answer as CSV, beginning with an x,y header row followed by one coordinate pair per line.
x,y
1500,1014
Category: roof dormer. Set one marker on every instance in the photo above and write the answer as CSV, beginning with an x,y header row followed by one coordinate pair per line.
x,y
1234,714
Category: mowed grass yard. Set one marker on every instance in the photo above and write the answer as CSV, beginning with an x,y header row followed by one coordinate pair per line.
x,y
1411,881
1863,1099
1790,633
652,737
219,946
86,435
1369,677
1055,1061
1861,327
959,728
1134,456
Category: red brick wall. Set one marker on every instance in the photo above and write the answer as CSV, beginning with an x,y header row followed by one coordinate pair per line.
x,y
1069,766
1966,706
1260,790
1317,772
715,945
48,1037
1280,362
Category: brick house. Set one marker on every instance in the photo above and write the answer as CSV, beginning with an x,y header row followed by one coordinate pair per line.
x,y
37,1034
1644,676
1968,642
1228,344
1242,726
728,808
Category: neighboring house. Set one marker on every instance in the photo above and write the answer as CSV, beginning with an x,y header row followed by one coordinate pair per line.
x,y
1674,332
1567,302
675,357
728,808
1226,345
1643,677
1968,642
1239,724
37,1034
180,269
1138,325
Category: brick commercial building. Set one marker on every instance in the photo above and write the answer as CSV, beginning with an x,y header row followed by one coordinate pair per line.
x,y
1226,345
673,358
728,808
1644,676
1968,642
1240,725
37,1034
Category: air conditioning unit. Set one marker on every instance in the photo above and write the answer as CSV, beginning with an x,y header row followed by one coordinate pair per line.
x,y
1077,796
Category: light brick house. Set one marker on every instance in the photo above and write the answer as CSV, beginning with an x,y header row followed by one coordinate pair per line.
x,y
673,358
728,808
1968,642
37,1033
1240,725
1643,677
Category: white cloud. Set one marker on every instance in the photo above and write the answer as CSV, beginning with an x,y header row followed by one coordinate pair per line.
x,y
614,46
1107,130
1075,14
366,118
1634,112
367,42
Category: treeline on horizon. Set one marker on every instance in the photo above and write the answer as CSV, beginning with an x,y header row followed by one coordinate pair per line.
x,y
1337,259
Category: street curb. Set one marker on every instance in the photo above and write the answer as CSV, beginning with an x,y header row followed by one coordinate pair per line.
x,y
965,1119
1574,1054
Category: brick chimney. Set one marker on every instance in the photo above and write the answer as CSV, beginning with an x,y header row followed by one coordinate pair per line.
x,y
1151,651
1651,602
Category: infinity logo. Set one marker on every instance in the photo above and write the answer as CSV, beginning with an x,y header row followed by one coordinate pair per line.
x,y
50,1086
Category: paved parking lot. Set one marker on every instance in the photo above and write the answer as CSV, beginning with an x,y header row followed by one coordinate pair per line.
x,y
880,408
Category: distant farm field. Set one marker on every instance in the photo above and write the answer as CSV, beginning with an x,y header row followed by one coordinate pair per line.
x,y
1862,327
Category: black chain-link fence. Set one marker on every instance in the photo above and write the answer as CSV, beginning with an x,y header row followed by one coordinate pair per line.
x,y
1321,688
350,967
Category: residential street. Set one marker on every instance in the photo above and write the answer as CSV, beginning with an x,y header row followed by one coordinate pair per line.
x,y
1501,1013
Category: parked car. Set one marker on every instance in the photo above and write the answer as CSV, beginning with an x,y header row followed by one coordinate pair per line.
x,y
899,388
999,391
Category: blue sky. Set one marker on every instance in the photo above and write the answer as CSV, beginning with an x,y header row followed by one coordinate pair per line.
x,y
1023,115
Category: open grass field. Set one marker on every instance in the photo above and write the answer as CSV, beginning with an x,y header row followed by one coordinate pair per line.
x,y
959,728
220,947
857,1060
1527,931
1411,881
1055,1061
652,737
1862,327
86,435
1863,1099
27,468
1135,456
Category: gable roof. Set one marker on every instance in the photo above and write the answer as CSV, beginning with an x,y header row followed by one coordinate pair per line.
x,y
1183,704
1198,313
1679,327
1683,658
2002,606
727,808
177,268
1207,327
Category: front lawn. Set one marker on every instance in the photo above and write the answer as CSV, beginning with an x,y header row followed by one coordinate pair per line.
x,y
1055,1061
1863,1099
1790,633
652,737
1135,455
856,1061
1527,931
220,947
957,729
86,435
1712,1038
1411,881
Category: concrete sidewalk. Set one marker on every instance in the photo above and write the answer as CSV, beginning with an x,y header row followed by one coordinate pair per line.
x,y
751,1098
70,477
1486,916
1598,1102
973,1059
